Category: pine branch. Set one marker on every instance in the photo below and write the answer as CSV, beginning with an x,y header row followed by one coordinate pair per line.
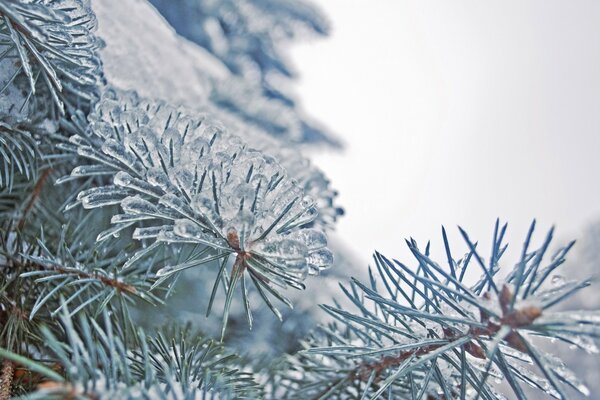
x,y
95,276
99,361
429,333
185,181
55,256
83,278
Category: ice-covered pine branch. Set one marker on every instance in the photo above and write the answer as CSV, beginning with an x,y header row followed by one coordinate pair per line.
x,y
48,63
183,180
47,57
425,332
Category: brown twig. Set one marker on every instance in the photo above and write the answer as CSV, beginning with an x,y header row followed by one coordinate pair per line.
x,y
6,379
515,319
113,282
35,194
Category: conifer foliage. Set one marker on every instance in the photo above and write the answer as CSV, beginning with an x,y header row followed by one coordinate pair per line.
x,y
109,200
426,332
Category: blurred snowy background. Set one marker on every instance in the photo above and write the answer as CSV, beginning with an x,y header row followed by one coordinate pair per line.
x,y
458,112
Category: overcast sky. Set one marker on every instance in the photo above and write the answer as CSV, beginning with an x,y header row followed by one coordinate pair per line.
x,y
457,113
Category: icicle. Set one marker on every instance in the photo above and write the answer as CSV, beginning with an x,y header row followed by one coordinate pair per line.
x,y
102,196
150,232
137,205
188,229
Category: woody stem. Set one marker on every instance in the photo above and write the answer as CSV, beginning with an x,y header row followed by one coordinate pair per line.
x,y
6,378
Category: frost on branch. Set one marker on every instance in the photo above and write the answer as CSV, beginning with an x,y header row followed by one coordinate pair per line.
x,y
47,56
425,332
184,180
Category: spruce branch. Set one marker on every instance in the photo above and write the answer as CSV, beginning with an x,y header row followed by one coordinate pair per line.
x,y
84,275
183,180
97,361
55,256
427,332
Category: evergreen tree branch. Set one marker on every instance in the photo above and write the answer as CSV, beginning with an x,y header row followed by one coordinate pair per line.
x,y
98,361
185,181
423,319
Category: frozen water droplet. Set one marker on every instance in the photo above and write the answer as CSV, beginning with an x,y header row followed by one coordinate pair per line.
x,y
259,179
306,202
557,280
123,179
116,150
244,191
134,118
197,148
137,205
102,129
108,109
172,142
206,208
312,238
157,177
78,140
290,249
184,124
171,136
319,260
149,232
188,229
164,271
101,196
244,219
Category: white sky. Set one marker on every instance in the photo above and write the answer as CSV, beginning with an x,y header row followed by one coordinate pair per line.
x,y
458,112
